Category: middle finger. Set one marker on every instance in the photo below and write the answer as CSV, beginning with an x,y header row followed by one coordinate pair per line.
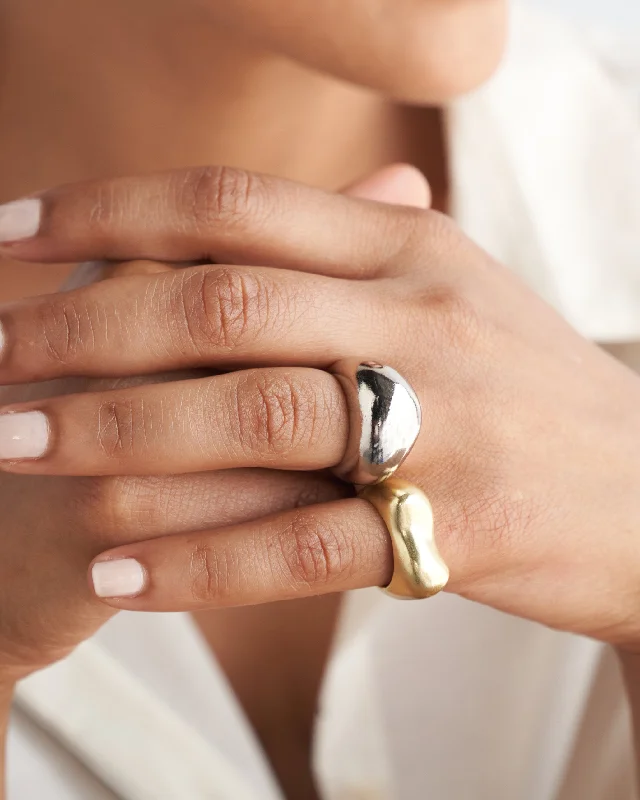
x,y
201,316
283,418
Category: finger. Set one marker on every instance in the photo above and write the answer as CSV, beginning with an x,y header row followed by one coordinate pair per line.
x,y
207,214
398,184
94,271
204,316
333,547
284,418
132,508
124,269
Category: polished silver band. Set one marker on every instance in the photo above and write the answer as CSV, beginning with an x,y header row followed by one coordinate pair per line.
x,y
384,420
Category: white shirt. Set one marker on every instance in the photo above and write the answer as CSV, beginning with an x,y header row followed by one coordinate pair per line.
x,y
545,164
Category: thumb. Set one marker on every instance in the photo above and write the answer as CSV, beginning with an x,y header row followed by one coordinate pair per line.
x,y
398,184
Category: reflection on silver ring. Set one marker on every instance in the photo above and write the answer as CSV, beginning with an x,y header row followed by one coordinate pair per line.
x,y
384,420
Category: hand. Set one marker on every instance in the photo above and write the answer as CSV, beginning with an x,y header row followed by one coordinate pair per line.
x,y
53,526
528,450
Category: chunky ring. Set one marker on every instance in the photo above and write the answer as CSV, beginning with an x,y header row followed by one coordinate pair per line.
x,y
384,420
418,569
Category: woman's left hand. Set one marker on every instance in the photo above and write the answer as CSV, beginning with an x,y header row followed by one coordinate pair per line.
x,y
530,445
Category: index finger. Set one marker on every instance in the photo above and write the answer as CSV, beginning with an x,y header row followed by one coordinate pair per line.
x,y
208,214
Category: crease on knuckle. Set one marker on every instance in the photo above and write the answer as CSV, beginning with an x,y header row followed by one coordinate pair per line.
x,y
209,574
310,553
225,308
121,427
104,209
276,414
214,195
67,329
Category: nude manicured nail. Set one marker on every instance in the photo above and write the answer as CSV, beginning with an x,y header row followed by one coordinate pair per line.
x,y
20,219
122,577
23,435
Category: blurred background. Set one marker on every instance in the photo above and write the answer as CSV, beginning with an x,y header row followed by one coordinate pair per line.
x,y
619,13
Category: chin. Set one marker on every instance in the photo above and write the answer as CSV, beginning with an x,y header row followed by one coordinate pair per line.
x,y
435,69
415,51
429,82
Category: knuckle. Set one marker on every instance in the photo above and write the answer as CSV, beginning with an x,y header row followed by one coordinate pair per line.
x,y
67,329
107,506
209,573
221,194
105,208
130,507
452,316
225,308
121,428
135,504
312,553
278,412
90,504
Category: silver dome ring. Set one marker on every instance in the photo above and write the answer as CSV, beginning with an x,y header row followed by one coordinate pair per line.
x,y
384,420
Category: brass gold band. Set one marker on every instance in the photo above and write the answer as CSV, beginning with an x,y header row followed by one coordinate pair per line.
x,y
418,569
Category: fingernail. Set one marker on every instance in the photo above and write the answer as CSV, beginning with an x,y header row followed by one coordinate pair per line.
x,y
23,435
123,577
20,219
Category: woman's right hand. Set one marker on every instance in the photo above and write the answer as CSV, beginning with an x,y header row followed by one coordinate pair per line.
x,y
52,527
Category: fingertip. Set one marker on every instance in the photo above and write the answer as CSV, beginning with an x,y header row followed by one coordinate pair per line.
x,y
397,184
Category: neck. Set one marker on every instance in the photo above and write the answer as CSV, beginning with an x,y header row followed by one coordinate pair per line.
x,y
93,88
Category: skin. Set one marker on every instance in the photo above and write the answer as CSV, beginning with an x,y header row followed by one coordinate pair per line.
x,y
134,129
85,515
47,611
481,341
509,529
164,86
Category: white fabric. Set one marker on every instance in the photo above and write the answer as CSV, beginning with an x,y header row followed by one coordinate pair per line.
x,y
545,165
155,753
546,173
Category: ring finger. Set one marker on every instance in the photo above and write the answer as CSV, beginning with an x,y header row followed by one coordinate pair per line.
x,y
136,508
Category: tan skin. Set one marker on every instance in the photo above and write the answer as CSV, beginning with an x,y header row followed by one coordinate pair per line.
x,y
139,117
178,122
